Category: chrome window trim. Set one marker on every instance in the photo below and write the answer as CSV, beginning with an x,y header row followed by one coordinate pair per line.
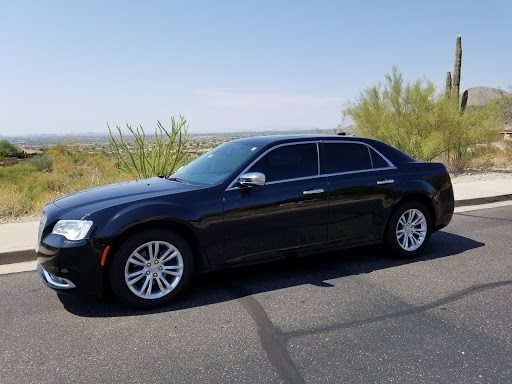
x,y
360,171
318,157
391,165
295,179
231,185
320,176
370,154
284,181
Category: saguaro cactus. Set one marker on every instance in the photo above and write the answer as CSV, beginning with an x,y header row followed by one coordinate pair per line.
x,y
448,87
456,69
464,101
453,86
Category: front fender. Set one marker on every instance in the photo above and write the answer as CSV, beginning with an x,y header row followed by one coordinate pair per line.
x,y
203,219
113,223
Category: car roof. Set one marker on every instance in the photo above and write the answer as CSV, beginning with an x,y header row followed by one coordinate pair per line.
x,y
393,154
278,139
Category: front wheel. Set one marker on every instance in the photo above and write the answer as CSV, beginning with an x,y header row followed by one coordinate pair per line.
x,y
152,268
408,230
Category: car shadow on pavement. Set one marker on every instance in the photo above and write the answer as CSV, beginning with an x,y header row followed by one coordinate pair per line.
x,y
315,269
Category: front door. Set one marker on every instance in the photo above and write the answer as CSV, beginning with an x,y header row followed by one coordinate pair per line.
x,y
288,213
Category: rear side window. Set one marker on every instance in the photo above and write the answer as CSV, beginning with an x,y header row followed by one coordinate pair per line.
x,y
288,162
345,157
377,160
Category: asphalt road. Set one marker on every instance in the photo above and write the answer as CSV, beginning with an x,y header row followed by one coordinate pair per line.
x,y
355,316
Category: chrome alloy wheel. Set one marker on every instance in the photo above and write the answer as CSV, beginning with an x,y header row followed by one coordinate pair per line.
x,y
153,270
411,230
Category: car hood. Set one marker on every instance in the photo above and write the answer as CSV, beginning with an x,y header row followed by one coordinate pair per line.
x,y
121,193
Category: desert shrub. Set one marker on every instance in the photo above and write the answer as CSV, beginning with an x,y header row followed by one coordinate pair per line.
x,y
156,155
8,149
13,202
503,105
19,174
75,170
414,118
26,188
40,200
42,163
497,155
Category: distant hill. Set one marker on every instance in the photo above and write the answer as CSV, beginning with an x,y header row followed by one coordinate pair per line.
x,y
482,95
94,138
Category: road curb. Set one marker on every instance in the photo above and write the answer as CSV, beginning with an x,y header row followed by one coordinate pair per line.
x,y
482,200
18,256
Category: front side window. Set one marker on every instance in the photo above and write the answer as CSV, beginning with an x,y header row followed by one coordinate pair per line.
x,y
346,157
288,162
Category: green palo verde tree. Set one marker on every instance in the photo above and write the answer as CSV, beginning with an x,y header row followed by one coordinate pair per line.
x,y
418,120
151,155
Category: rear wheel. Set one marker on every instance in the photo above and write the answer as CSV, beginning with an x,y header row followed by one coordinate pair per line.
x,y
408,230
151,268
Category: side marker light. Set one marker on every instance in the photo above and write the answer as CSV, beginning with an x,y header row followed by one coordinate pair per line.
x,y
104,256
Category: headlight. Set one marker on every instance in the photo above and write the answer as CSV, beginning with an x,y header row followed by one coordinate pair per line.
x,y
72,229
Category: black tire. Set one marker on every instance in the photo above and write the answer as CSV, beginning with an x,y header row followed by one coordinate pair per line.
x,y
152,284
395,238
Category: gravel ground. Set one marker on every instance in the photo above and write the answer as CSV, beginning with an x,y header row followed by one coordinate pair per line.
x,y
23,219
470,176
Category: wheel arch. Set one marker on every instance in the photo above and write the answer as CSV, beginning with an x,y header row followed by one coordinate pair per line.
x,y
424,199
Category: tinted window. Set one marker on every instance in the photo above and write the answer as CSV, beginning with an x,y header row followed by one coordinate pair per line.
x,y
377,160
346,157
288,162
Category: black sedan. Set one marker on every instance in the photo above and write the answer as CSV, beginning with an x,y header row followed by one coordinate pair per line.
x,y
250,200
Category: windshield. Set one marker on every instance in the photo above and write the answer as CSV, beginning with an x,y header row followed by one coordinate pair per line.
x,y
215,165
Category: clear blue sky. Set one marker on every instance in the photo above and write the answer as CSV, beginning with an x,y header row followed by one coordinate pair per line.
x,y
72,66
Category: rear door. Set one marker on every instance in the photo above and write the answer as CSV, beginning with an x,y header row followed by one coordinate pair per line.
x,y
361,191
288,213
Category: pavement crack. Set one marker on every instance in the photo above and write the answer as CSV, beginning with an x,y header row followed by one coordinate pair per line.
x,y
407,312
273,340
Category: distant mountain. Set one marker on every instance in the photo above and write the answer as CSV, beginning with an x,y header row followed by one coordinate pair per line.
x,y
482,95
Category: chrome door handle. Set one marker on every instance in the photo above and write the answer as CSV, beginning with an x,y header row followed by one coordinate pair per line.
x,y
313,191
388,181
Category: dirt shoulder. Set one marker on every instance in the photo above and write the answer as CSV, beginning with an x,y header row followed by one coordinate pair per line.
x,y
471,176
24,219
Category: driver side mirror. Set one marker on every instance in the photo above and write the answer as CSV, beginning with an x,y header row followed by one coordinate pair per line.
x,y
252,179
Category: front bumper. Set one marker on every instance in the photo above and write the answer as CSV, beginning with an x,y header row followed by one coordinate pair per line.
x,y
71,266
